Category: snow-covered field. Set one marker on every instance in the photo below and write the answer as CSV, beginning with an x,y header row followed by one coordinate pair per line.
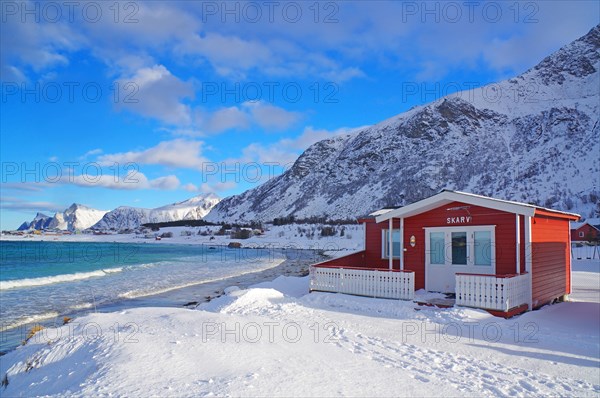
x,y
274,339
292,236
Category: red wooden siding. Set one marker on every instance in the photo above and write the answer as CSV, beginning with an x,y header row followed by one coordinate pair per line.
x,y
588,232
505,236
373,246
550,259
351,260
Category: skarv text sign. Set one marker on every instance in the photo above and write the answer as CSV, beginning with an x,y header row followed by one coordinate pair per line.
x,y
459,220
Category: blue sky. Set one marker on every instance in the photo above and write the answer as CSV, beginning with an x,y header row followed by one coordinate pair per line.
x,y
148,103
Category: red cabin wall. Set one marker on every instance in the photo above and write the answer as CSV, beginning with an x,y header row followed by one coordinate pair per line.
x,y
351,260
414,257
373,244
550,258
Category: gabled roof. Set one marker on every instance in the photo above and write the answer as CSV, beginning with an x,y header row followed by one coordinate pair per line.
x,y
592,222
448,196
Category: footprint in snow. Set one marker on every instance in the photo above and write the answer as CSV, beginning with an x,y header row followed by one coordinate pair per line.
x,y
420,378
527,386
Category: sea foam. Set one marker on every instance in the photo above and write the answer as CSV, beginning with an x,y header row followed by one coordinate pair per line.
x,y
48,280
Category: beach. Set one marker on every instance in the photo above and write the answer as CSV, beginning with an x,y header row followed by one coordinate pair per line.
x,y
141,276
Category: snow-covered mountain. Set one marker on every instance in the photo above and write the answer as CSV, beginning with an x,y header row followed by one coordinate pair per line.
x,y
40,221
125,217
533,138
76,217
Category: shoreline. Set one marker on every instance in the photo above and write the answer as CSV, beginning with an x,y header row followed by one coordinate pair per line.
x,y
296,263
285,236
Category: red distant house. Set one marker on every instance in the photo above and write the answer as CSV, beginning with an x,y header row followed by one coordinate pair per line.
x,y
503,256
587,231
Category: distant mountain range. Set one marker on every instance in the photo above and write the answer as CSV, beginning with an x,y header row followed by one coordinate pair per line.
x,y
76,217
79,217
534,138
132,217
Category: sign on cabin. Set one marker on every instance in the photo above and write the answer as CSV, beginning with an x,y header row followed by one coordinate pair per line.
x,y
459,220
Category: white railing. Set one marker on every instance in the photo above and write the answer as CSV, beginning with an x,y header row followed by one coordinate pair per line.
x,y
364,282
492,292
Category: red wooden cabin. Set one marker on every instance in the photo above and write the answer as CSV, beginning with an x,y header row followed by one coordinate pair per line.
x,y
499,255
588,231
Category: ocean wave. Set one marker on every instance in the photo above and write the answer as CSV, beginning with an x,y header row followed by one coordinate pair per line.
x,y
48,280
82,306
30,319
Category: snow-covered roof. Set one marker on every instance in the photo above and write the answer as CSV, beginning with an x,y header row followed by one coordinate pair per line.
x,y
382,211
594,222
449,196
378,213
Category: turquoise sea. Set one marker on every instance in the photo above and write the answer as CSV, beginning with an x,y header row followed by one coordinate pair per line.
x,y
45,280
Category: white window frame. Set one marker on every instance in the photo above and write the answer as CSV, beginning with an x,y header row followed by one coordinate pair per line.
x,y
385,246
470,230
581,234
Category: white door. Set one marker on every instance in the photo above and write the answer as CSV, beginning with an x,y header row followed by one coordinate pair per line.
x,y
451,250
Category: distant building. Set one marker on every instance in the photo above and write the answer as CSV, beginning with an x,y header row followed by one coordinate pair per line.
x,y
585,231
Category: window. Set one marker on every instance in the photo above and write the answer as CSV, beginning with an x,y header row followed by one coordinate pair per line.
x,y
483,247
581,234
468,246
436,247
459,248
395,243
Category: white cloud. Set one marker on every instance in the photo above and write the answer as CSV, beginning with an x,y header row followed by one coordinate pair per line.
x,y
154,92
133,180
92,152
286,151
169,182
217,187
270,116
190,187
175,153
222,119
388,35
258,113
26,186
229,55
25,205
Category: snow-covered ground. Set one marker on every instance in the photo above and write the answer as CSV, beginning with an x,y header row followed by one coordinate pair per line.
x,y
288,236
274,339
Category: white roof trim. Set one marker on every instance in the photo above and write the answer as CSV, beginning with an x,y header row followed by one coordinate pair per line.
x,y
448,196
380,212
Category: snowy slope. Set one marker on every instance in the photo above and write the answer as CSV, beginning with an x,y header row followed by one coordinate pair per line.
x,y
274,339
191,209
533,138
125,217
